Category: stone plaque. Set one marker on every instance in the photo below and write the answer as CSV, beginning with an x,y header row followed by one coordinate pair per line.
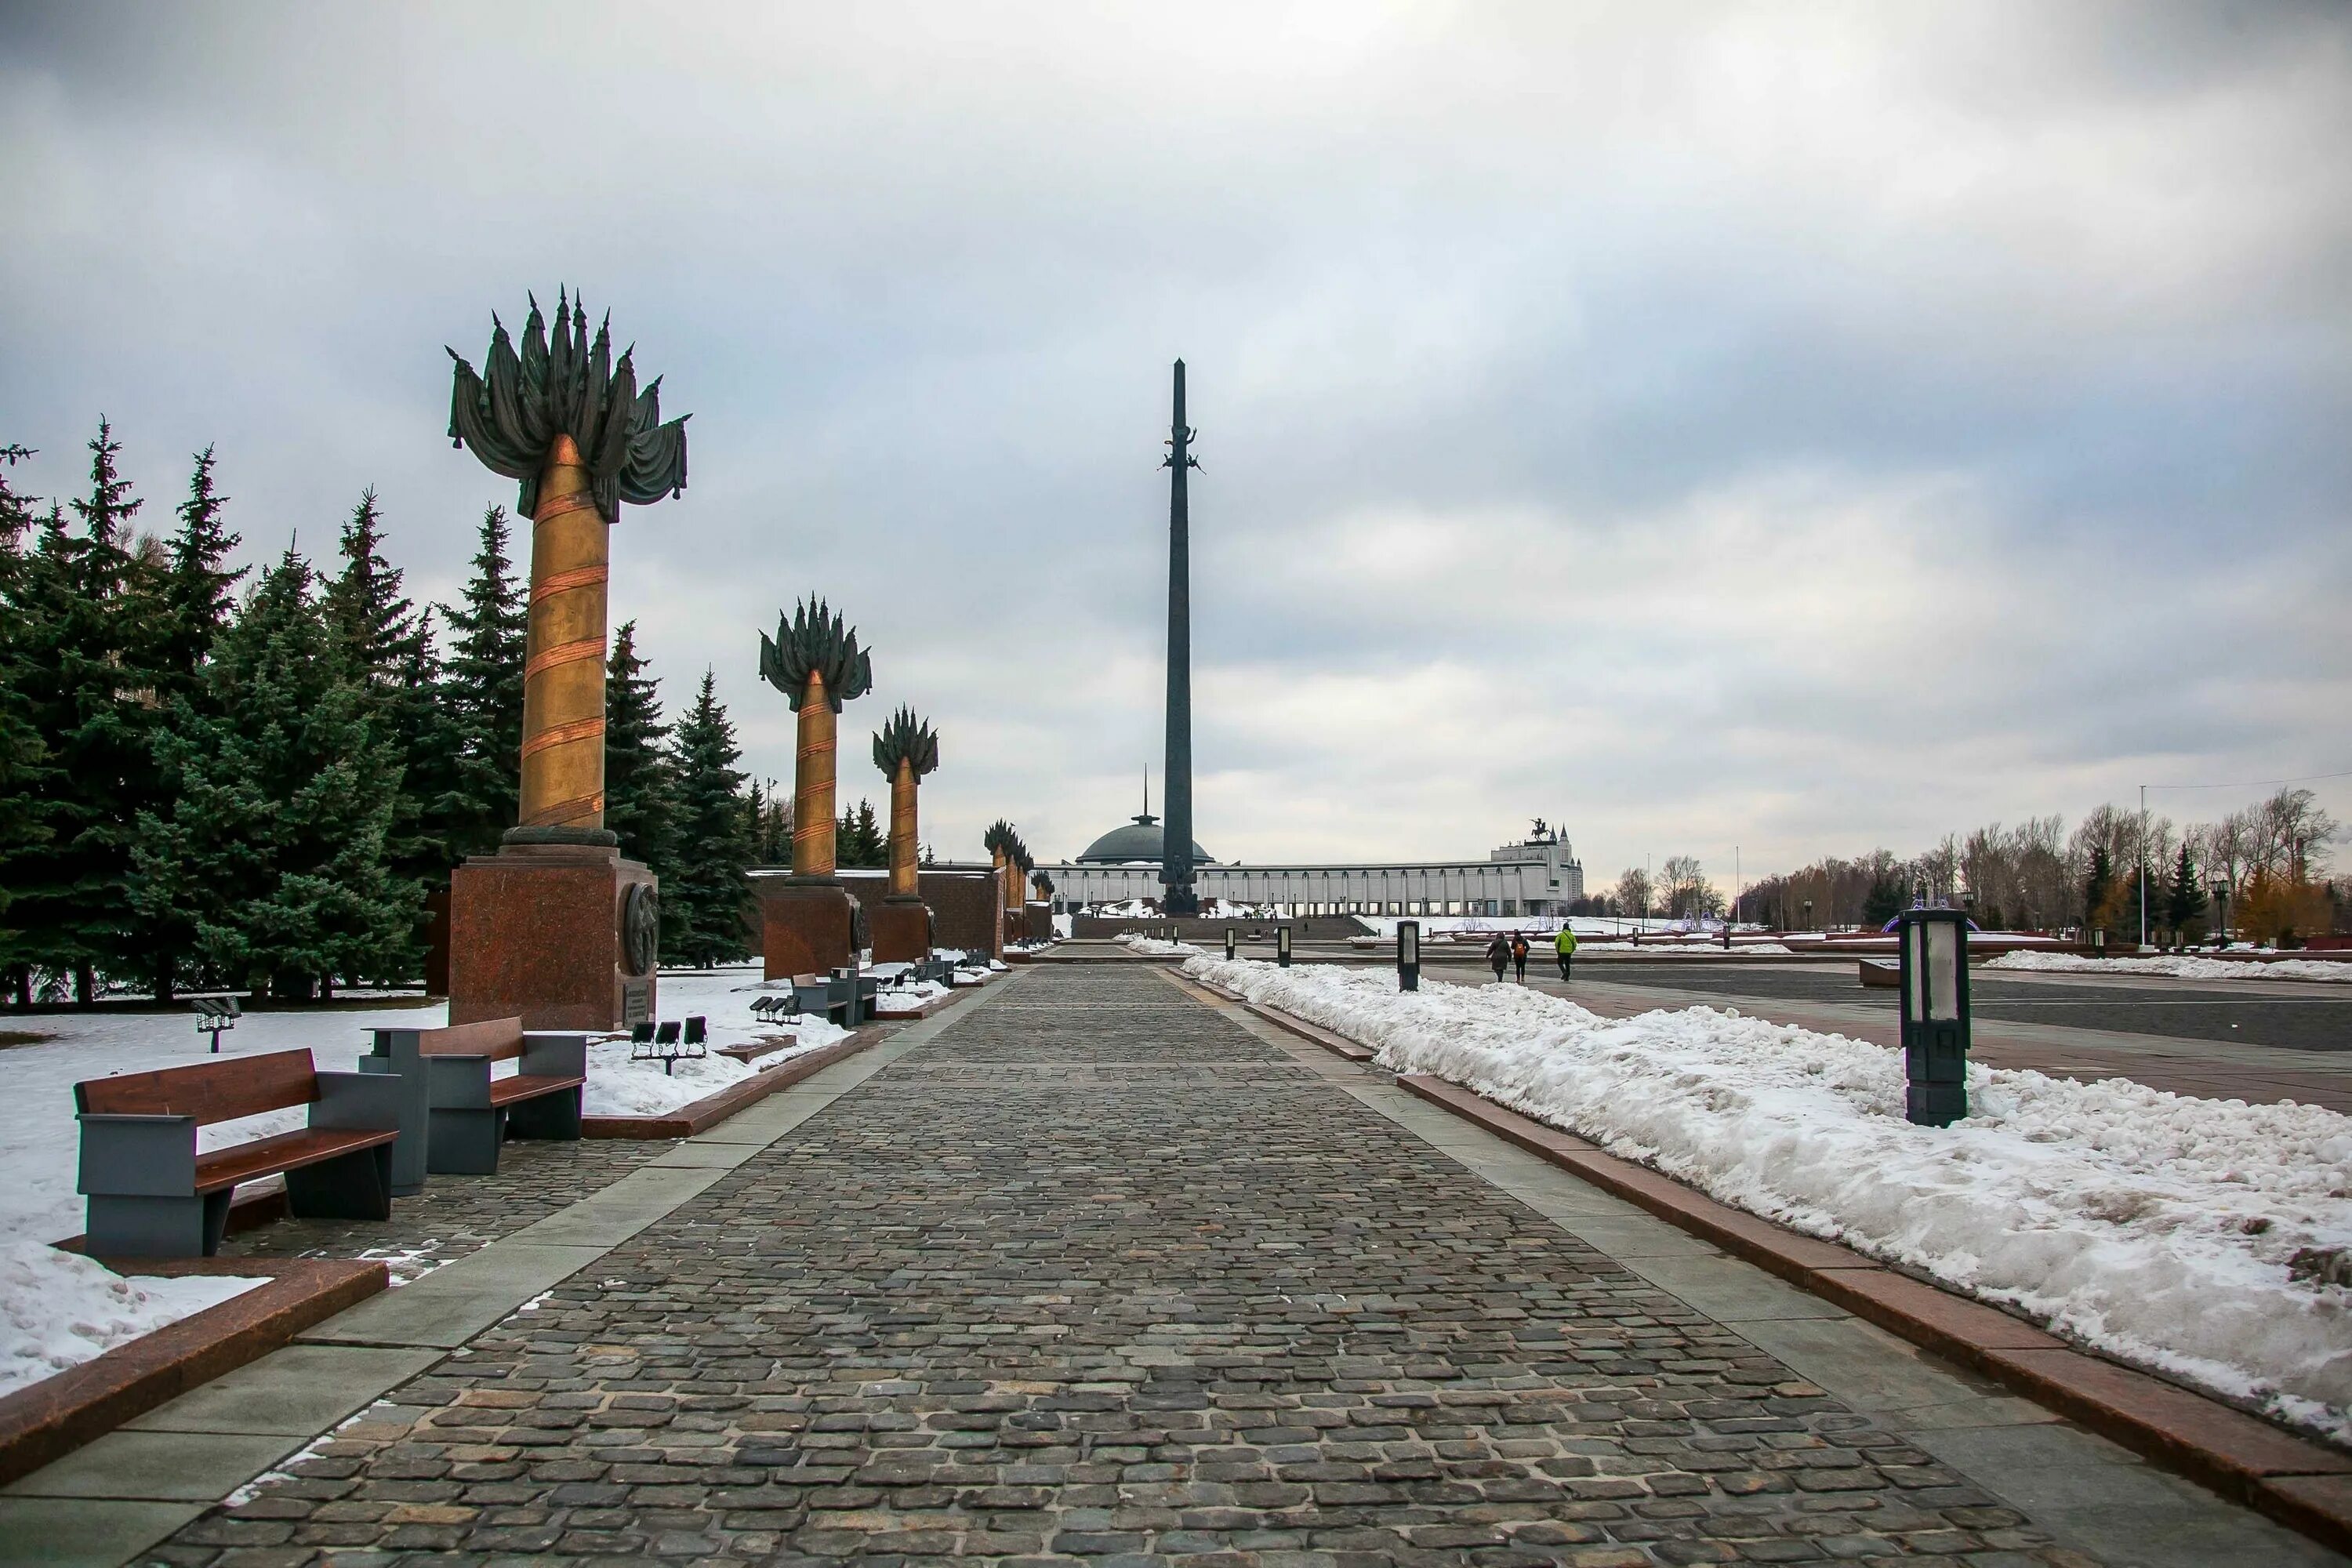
x,y
636,1002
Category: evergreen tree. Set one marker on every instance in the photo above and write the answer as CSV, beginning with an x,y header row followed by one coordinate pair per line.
x,y
2098,884
271,860
197,593
1885,900
2184,903
859,840
483,693
90,683
707,892
24,812
639,790
387,647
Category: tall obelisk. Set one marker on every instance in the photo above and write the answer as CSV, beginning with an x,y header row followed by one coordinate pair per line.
x,y
1177,897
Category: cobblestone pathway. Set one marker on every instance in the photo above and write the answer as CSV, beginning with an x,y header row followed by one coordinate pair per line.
x,y
1096,1274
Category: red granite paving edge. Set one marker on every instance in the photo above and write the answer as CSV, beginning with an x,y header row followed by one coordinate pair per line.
x,y
2301,1484
701,1115
44,1423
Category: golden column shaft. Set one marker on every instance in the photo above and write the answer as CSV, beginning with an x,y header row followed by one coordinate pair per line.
x,y
813,784
563,672
904,882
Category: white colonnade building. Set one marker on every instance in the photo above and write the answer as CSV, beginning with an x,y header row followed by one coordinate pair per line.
x,y
1538,875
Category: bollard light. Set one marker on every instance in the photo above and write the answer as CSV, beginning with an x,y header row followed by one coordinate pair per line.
x,y
1282,946
1229,944
1934,1001
2099,942
1408,955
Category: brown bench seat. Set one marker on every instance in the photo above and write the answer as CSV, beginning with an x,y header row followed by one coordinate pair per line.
x,y
152,1195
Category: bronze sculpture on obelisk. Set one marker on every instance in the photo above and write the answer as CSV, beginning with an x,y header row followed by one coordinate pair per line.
x,y
556,927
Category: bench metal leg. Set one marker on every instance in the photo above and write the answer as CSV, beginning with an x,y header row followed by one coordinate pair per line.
x,y
357,1185
465,1143
157,1228
546,1116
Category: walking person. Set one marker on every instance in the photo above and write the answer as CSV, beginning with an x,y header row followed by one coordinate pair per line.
x,y
1498,956
1519,955
1563,946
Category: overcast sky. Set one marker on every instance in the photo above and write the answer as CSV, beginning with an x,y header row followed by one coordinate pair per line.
x,y
1797,429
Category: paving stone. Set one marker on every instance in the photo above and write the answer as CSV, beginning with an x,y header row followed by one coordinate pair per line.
x,y
1096,1276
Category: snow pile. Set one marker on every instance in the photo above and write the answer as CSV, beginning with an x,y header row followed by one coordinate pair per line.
x,y
908,996
620,1085
1152,947
2190,1236
2180,966
59,1309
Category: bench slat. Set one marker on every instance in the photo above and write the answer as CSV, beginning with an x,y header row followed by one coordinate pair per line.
x,y
499,1039
207,1091
506,1090
286,1151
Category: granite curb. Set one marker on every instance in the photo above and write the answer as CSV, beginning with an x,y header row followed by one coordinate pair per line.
x,y
2298,1483
58,1415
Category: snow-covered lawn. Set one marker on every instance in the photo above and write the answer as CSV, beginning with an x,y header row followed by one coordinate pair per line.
x,y
40,1139
2181,966
2162,1228
59,1309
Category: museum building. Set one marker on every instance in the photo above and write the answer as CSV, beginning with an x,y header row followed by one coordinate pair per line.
x,y
1539,875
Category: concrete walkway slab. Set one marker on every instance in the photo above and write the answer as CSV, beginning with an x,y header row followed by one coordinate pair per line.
x,y
159,1467
299,1391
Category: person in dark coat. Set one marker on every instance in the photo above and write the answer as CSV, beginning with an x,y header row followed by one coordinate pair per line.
x,y
1498,956
1519,955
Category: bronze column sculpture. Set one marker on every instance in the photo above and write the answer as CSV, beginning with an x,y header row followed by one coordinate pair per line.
x,y
556,927
905,750
808,922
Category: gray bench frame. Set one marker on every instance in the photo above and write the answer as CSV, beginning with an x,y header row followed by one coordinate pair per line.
x,y
141,1172
454,1114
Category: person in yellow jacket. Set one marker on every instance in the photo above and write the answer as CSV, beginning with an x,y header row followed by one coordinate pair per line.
x,y
1563,947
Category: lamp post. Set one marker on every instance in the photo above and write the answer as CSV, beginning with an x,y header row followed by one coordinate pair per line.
x,y
1934,1010
1809,914
2222,910
1282,946
1408,955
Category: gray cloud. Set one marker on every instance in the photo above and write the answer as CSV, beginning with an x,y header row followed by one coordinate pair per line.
x,y
1603,416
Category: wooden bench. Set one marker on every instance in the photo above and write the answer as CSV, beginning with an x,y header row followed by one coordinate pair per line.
x,y
464,1112
152,1195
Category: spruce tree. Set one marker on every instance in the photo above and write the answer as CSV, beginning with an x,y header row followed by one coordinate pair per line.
x,y
91,682
859,839
196,591
24,808
639,789
2098,884
2184,902
387,644
271,860
482,690
705,890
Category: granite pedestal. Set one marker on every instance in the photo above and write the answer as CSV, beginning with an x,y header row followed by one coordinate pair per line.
x,y
535,931
805,926
902,930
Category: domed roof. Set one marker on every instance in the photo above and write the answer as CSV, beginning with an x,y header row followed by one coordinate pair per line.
x,y
1139,841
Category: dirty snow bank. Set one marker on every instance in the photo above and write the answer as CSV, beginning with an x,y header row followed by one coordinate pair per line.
x,y
59,1309
2180,966
2155,1227
1152,947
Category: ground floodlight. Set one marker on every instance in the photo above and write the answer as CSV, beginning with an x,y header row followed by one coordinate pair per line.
x,y
1408,955
1934,997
